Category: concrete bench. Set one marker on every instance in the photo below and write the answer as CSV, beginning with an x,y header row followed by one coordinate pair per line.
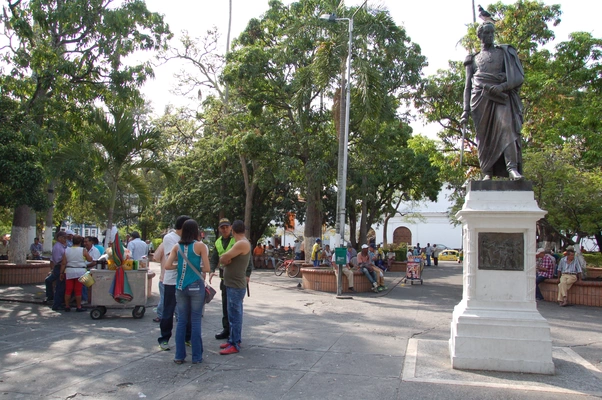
x,y
323,279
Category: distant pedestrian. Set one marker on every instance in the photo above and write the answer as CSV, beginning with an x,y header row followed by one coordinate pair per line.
x,y
316,251
56,295
428,251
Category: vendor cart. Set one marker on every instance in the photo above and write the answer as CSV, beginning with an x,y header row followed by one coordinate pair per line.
x,y
414,270
101,299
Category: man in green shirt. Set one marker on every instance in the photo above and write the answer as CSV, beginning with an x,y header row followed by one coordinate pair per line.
x,y
224,243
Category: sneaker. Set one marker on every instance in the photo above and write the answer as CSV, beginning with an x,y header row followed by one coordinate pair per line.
x,y
164,346
188,343
81,309
67,309
352,290
375,289
380,288
225,345
229,350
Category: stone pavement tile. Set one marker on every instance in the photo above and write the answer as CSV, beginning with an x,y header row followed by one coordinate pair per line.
x,y
325,386
268,358
366,365
155,376
370,344
299,340
571,373
230,384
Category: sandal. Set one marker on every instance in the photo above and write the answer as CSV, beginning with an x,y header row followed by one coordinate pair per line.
x,y
179,362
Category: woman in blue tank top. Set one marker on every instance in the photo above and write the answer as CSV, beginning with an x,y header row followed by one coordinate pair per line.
x,y
191,255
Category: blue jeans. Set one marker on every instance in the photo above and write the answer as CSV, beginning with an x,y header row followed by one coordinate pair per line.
x,y
50,279
538,280
190,306
169,309
371,275
160,305
235,299
270,259
428,260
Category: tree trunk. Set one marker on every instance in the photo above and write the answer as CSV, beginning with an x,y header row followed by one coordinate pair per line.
x,y
313,220
249,191
364,216
352,225
17,251
48,222
385,227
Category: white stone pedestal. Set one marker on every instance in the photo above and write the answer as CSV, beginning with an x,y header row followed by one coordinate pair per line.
x,y
496,326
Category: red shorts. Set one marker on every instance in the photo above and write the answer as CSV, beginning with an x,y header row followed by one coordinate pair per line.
x,y
71,284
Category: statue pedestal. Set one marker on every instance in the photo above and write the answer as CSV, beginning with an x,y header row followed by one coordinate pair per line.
x,y
496,326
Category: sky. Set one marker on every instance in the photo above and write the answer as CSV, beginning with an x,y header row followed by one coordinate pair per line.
x,y
436,25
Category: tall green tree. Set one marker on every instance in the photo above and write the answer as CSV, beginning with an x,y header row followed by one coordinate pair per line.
x,y
120,152
61,57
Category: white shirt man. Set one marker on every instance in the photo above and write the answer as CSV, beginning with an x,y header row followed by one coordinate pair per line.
x,y
137,247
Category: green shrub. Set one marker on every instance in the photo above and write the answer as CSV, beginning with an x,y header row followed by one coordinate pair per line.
x,y
593,259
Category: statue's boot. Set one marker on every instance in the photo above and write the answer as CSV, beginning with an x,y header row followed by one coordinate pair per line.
x,y
511,157
487,175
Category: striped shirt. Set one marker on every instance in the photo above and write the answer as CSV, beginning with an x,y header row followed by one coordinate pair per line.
x,y
566,267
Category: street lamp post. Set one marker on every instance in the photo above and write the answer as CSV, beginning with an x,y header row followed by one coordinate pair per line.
x,y
339,238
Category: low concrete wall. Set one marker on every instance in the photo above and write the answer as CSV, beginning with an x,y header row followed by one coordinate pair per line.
x,y
398,266
587,293
32,273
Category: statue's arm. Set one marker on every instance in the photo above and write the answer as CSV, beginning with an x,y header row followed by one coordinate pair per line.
x,y
467,88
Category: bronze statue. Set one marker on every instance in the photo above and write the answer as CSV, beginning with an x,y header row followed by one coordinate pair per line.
x,y
493,78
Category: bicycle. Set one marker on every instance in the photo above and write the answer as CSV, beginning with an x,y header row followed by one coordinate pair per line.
x,y
292,269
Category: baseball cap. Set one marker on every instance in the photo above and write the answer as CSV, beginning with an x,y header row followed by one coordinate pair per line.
x,y
540,250
223,222
69,232
61,233
364,246
318,240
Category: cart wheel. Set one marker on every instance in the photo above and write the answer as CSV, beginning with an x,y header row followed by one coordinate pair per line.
x,y
96,313
138,312
103,309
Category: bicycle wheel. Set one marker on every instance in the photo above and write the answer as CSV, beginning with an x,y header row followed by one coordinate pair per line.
x,y
293,270
279,268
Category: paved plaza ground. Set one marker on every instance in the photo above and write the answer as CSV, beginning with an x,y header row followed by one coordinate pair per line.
x,y
297,344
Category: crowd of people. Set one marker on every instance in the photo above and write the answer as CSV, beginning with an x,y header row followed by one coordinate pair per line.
x,y
72,255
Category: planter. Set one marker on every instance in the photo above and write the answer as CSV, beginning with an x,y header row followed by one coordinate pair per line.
x,y
594,272
32,273
398,266
325,280
587,293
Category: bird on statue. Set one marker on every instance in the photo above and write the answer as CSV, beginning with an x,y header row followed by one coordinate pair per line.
x,y
485,15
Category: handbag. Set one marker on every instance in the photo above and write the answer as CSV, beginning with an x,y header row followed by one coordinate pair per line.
x,y
209,291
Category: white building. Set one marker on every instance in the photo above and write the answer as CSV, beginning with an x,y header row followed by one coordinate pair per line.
x,y
424,222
